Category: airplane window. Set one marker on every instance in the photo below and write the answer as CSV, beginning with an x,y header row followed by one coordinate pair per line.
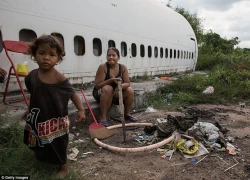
x,y
174,53
60,37
166,53
1,42
142,50
178,54
111,43
189,55
27,35
97,47
123,49
192,55
170,53
161,52
79,45
181,54
133,48
156,52
149,51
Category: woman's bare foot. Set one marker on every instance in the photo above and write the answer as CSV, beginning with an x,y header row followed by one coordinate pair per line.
x,y
62,171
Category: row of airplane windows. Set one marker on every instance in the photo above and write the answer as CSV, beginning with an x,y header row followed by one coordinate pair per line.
x,y
79,47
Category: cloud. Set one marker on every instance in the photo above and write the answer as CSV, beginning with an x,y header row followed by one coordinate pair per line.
x,y
218,5
229,18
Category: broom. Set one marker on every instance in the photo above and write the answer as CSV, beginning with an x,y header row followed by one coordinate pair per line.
x,y
97,130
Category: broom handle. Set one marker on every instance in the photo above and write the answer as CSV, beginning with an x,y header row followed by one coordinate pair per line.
x,y
89,106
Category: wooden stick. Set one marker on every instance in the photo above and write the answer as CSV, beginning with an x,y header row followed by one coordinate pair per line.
x,y
178,164
232,165
201,159
121,109
148,172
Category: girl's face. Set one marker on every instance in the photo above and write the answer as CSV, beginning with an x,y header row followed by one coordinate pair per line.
x,y
112,57
46,57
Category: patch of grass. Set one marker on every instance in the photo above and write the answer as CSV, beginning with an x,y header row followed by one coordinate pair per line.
x,y
17,159
231,85
145,76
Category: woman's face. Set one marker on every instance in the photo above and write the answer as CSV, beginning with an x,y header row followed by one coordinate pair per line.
x,y
112,57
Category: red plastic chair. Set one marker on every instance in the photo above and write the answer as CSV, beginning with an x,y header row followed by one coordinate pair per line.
x,y
17,47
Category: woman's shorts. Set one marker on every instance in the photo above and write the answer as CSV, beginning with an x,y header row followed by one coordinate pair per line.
x,y
97,95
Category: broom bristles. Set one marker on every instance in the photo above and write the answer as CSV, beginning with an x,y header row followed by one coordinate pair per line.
x,y
101,133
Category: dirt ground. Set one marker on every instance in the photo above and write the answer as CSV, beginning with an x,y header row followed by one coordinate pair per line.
x,y
106,164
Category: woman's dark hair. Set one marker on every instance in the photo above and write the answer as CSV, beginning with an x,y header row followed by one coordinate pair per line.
x,y
53,41
114,49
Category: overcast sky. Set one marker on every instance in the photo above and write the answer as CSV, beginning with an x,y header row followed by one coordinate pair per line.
x,y
228,18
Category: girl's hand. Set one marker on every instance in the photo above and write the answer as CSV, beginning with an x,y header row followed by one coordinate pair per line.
x,y
80,116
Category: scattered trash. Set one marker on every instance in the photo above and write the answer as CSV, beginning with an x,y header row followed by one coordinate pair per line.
x,y
165,78
74,152
209,90
201,151
161,150
169,154
148,172
175,123
85,154
193,160
150,109
161,120
231,149
242,104
229,139
169,97
147,139
78,141
204,131
188,147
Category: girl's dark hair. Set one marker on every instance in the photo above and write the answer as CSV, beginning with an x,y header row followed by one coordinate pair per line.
x,y
53,41
114,49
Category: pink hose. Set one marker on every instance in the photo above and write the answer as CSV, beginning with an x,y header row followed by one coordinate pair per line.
x,y
139,149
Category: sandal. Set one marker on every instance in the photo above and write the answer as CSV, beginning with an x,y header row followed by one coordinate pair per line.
x,y
130,118
103,122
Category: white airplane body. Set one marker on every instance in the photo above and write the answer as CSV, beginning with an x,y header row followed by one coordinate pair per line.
x,y
151,37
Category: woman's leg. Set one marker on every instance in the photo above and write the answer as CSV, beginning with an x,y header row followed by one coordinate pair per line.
x,y
105,101
128,98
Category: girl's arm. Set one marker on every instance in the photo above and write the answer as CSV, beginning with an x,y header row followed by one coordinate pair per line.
x,y
78,103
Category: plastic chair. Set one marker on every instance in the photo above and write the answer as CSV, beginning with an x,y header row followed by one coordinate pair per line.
x,y
17,47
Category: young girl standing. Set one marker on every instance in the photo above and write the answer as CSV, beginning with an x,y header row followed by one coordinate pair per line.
x,y
47,125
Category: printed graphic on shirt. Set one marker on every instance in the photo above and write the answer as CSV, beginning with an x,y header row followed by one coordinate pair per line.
x,y
53,128
45,132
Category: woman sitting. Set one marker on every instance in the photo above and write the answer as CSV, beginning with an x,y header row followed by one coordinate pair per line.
x,y
106,86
